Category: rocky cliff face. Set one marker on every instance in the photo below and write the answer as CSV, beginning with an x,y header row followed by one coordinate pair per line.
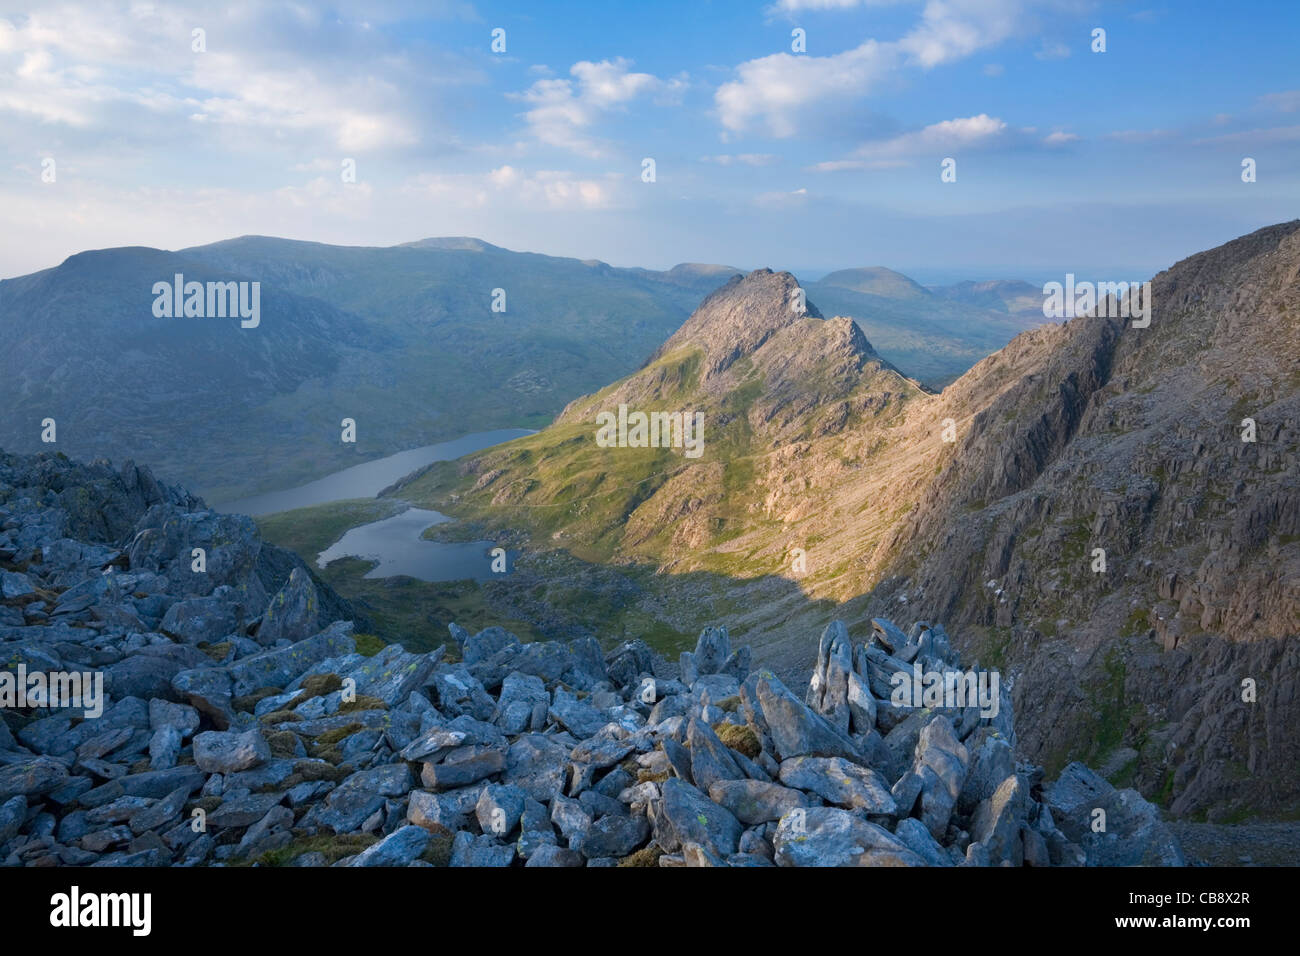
x,y
1131,441
241,728
987,505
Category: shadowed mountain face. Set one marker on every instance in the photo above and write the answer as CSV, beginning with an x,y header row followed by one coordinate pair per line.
x,y
83,347
403,340
1097,435
1174,662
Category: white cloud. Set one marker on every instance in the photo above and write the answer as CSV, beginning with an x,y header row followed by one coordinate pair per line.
x,y
841,165
126,71
563,110
1059,138
952,29
776,92
799,6
362,114
966,132
775,89
948,134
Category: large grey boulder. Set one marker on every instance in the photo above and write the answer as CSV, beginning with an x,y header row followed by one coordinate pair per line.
x,y
166,537
480,851
613,835
486,643
796,730
941,762
400,848
278,666
218,751
991,764
499,809
1133,834
462,767
839,782
535,763
204,619
711,759
208,690
13,813
32,777
523,703
829,836
688,816
998,822
576,716
755,801
391,674
828,689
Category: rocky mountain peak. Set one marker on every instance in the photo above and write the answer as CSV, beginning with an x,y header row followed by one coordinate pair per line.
x,y
737,319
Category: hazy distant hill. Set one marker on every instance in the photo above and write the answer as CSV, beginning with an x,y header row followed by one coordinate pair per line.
x,y
401,339
933,334
1000,295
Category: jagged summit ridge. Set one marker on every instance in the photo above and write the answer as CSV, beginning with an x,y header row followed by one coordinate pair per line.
x,y
737,319
750,338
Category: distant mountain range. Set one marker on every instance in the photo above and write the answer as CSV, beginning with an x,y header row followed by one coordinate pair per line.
x,y
403,340
933,334
1112,513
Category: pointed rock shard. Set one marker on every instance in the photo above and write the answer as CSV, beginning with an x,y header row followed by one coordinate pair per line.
x,y
796,730
828,691
294,612
711,759
941,763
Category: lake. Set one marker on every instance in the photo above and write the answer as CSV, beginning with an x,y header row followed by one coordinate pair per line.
x,y
394,543
367,480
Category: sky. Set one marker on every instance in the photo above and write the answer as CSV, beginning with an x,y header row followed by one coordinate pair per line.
x,y
807,135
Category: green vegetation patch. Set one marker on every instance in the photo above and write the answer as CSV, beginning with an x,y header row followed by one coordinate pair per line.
x,y
309,531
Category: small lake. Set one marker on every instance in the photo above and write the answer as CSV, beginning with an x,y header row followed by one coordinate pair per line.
x,y
394,543
369,479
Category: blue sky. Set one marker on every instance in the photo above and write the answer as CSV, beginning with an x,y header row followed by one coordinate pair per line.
x,y
1067,159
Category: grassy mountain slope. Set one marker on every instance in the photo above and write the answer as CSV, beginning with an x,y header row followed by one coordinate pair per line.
x,y
769,384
